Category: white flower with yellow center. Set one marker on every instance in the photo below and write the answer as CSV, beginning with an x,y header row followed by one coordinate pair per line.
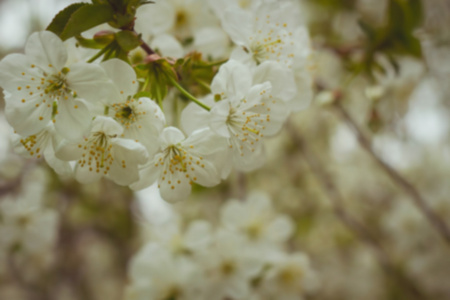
x,y
289,278
42,88
43,144
26,225
181,162
229,266
258,221
268,33
141,118
246,114
178,17
104,153
156,273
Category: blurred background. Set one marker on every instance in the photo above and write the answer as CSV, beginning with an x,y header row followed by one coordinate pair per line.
x,y
363,171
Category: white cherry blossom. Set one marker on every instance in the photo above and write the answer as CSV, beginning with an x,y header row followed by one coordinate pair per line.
x,y
43,144
229,267
158,274
255,218
27,225
42,88
267,33
182,161
141,118
289,278
104,153
247,113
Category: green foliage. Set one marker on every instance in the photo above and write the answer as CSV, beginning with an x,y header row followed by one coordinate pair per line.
x,y
335,4
127,40
158,74
60,20
80,18
196,72
395,37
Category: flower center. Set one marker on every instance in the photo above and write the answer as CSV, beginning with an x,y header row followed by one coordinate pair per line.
x,y
97,155
127,113
290,276
227,267
181,19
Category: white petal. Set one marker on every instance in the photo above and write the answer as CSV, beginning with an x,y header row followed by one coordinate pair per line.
x,y
12,68
233,214
149,123
218,118
194,117
255,95
238,24
69,151
167,45
280,77
155,18
280,229
123,77
177,190
233,79
171,136
243,56
129,151
148,175
212,42
84,175
304,96
26,118
248,160
63,168
106,125
46,50
89,81
204,142
121,175
205,174
277,111
73,120
198,235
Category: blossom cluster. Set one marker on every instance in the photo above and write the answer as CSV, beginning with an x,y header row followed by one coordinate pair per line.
x,y
93,119
28,228
243,257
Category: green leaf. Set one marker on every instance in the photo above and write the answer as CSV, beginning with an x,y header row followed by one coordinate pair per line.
x,y
158,76
128,40
368,30
89,43
85,18
142,95
59,22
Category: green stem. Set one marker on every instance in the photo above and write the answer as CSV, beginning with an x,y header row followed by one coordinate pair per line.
x,y
187,94
203,84
145,85
100,53
212,64
106,111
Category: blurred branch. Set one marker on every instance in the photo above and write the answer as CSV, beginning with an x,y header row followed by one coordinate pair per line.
x,y
358,228
434,219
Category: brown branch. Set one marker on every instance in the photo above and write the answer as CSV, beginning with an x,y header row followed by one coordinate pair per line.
x,y
358,228
434,219
145,46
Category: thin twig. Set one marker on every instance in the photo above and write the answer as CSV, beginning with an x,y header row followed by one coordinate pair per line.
x,y
434,219
358,228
